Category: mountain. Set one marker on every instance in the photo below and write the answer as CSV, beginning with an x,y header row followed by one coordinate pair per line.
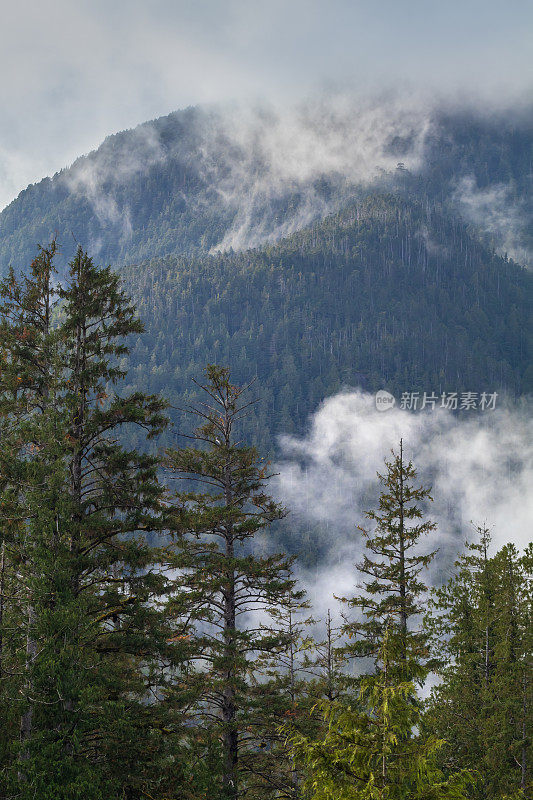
x,y
336,247
383,294
234,178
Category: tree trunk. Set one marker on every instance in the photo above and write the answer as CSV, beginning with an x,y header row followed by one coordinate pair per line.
x,y
403,588
26,722
229,708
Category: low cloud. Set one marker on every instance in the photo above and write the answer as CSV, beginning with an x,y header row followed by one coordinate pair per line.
x,y
498,214
78,71
480,466
344,139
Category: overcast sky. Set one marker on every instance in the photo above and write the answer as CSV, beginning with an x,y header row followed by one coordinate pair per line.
x,y
74,71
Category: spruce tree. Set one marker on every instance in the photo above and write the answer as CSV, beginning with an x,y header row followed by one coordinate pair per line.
x,y
30,422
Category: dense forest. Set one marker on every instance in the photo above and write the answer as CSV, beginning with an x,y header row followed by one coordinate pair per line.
x,y
383,294
150,648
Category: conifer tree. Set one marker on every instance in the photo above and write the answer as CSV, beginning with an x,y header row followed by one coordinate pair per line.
x,y
29,387
370,747
216,522
392,566
368,750
84,642
480,624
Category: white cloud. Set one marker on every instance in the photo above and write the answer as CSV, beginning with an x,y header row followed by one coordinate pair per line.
x,y
480,466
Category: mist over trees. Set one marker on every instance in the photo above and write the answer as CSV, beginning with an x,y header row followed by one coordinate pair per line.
x,y
237,178
153,641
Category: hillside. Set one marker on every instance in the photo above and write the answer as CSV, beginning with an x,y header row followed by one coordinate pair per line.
x,y
204,178
384,294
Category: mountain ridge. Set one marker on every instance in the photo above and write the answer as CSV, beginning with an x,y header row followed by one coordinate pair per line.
x,y
200,178
382,283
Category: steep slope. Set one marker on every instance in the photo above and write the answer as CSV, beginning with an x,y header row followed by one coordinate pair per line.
x,y
384,294
235,178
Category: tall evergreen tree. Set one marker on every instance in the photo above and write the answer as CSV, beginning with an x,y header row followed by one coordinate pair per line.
x,y
235,592
76,509
29,421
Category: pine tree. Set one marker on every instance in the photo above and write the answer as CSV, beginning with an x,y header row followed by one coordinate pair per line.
x,y
392,566
231,589
83,638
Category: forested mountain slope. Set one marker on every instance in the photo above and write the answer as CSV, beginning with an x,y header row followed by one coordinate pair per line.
x,y
384,294
204,178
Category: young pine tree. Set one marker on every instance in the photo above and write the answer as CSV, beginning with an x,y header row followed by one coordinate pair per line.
x,y
392,566
371,748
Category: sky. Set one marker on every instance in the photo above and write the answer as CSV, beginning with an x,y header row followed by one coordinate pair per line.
x,y
75,71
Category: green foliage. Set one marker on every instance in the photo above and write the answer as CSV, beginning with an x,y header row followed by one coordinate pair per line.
x,y
153,643
369,750
481,629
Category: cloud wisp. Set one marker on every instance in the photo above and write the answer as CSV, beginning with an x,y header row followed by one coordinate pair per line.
x,y
344,139
498,214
